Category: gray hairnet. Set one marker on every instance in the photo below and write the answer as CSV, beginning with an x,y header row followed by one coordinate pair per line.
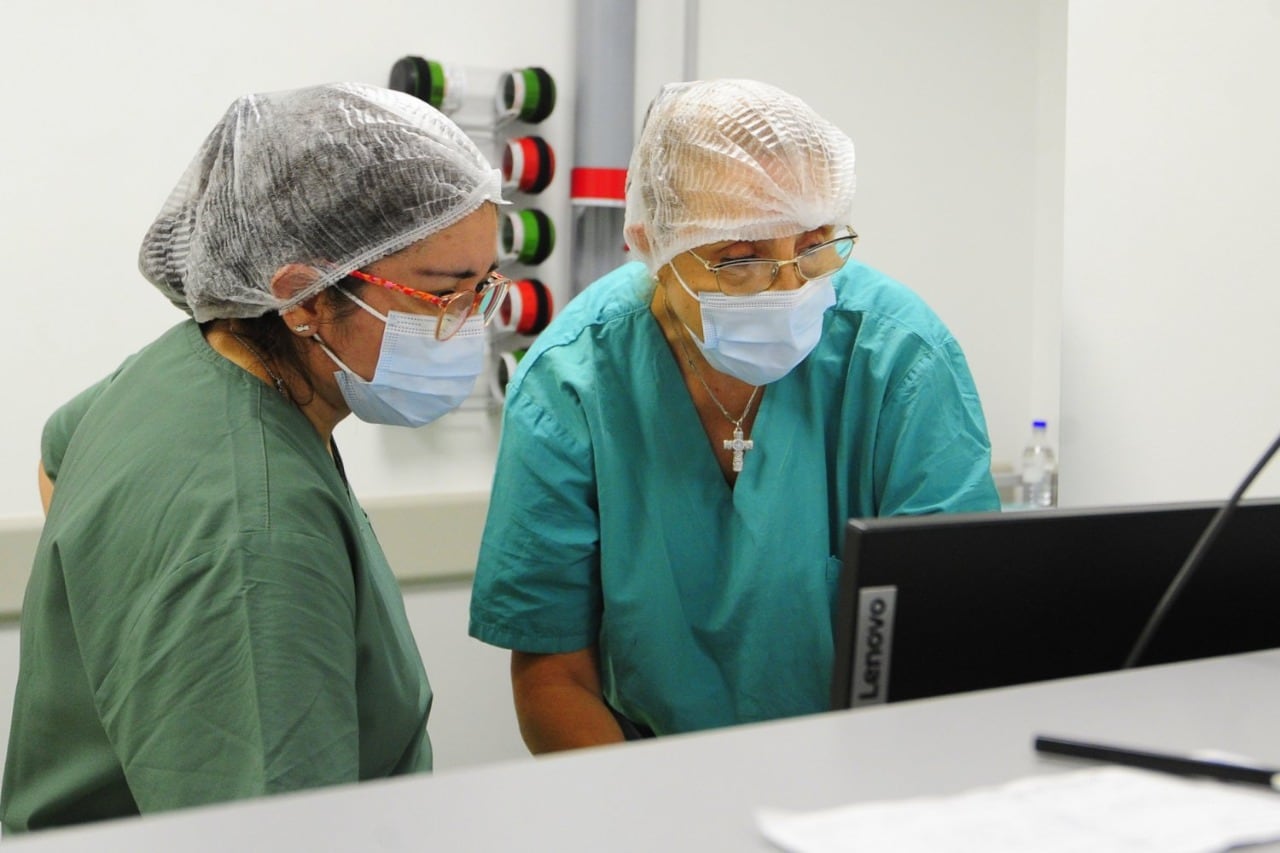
x,y
733,160
332,177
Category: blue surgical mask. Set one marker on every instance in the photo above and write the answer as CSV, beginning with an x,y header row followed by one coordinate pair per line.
x,y
761,338
417,378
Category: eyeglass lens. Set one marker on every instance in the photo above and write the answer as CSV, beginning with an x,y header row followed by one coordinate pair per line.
x,y
459,308
455,313
758,275
491,297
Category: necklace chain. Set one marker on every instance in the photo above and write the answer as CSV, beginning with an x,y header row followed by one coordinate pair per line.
x,y
244,342
688,357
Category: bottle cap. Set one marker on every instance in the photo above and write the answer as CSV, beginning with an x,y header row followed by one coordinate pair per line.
x,y
529,93
421,78
528,164
527,308
527,236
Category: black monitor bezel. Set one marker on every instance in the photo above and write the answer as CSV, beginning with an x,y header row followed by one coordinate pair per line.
x,y
1123,602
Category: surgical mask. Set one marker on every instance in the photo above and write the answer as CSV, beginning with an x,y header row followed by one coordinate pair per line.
x,y
417,378
761,338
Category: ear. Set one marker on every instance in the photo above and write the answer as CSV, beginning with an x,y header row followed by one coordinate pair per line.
x,y
637,237
289,280
292,278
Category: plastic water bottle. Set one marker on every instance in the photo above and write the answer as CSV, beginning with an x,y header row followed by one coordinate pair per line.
x,y
1038,488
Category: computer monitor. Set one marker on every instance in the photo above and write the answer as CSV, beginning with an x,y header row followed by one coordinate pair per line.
x,y
938,604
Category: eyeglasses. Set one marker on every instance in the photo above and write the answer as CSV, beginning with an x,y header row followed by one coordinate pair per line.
x,y
453,309
749,276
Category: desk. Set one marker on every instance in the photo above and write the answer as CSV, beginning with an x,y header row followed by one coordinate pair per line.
x,y
699,792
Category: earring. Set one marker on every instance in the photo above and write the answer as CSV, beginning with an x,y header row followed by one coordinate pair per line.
x,y
301,327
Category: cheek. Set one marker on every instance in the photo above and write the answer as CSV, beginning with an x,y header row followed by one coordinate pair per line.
x,y
359,341
367,341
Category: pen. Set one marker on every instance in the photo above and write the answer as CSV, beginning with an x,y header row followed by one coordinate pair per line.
x,y
1222,770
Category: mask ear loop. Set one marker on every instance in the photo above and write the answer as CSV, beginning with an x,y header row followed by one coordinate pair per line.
x,y
680,279
365,305
334,358
697,300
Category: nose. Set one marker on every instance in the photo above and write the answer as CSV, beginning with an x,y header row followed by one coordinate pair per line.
x,y
788,278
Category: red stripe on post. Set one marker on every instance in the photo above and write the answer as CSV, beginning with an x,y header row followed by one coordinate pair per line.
x,y
602,184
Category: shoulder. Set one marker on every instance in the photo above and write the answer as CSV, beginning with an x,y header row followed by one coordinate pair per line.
x,y
598,323
615,298
200,433
61,426
882,330
879,304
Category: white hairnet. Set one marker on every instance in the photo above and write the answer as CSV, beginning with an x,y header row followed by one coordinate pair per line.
x,y
333,177
733,160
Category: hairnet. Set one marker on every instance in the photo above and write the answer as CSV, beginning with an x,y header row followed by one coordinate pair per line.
x,y
733,160
332,177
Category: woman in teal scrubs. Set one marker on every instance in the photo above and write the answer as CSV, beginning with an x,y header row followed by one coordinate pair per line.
x,y
209,616
683,445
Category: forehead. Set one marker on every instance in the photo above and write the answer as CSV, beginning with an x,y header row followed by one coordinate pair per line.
x,y
474,239
792,235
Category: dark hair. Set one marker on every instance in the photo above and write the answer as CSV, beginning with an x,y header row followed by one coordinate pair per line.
x,y
278,345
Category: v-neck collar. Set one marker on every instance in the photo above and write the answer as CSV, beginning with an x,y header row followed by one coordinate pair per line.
x,y
772,438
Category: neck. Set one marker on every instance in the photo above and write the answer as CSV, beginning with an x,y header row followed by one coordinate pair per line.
x,y
224,339
725,405
710,390
687,353
231,344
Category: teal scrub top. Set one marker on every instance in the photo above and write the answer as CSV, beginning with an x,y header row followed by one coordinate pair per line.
x,y
209,615
611,523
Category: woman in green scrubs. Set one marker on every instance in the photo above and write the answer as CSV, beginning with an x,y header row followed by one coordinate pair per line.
x,y
209,616
683,445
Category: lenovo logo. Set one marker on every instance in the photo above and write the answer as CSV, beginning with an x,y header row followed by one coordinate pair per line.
x,y
873,645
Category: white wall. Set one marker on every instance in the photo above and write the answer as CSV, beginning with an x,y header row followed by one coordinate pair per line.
x,y
472,718
944,101
1128,170
1171,292
955,112
105,105
946,104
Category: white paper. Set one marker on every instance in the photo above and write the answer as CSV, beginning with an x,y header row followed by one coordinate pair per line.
x,y
1104,809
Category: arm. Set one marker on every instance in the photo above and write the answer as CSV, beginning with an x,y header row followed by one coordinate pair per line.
x,y
558,701
237,677
46,487
933,453
58,431
537,588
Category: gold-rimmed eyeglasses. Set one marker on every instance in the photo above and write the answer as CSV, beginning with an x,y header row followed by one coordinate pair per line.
x,y
748,276
452,310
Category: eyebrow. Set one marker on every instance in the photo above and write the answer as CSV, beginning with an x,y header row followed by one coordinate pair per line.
x,y
729,244
428,272
724,247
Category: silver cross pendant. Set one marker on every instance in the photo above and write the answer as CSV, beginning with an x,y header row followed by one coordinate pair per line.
x,y
739,446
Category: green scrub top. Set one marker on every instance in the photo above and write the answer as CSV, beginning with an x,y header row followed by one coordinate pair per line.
x,y
611,523
209,615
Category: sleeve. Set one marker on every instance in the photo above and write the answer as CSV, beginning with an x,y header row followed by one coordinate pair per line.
x,y
236,676
933,453
537,582
62,424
